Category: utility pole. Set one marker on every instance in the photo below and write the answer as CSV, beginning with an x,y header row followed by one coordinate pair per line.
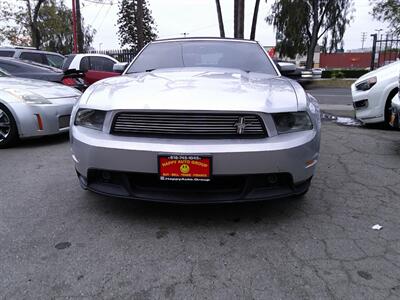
x,y
363,39
75,48
79,26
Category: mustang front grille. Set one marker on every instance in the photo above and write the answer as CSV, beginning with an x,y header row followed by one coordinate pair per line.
x,y
187,125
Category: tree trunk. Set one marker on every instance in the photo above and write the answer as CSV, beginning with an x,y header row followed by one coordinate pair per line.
x,y
220,20
139,20
241,19
33,18
236,19
79,27
254,24
314,36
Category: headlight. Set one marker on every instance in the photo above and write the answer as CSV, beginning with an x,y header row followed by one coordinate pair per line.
x,y
292,122
365,85
90,118
28,96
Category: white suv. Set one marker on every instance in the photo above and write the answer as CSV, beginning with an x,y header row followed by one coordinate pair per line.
x,y
31,54
373,92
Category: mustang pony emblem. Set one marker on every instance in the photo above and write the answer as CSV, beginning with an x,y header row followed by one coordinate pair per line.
x,y
241,125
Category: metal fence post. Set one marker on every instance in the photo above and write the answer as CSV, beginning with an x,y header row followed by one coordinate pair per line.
x,y
373,52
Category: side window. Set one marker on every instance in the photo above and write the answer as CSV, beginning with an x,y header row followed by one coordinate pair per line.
x,y
98,63
32,56
7,53
55,60
84,65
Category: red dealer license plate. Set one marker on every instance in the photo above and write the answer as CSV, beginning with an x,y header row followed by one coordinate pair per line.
x,y
184,167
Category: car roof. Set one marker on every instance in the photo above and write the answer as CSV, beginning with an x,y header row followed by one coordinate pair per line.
x,y
186,39
28,49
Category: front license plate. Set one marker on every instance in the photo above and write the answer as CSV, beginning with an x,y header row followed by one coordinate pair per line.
x,y
184,167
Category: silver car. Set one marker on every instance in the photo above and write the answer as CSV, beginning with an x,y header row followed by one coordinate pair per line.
x,y
197,120
32,108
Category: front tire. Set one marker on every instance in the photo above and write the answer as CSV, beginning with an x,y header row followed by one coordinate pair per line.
x,y
8,128
388,106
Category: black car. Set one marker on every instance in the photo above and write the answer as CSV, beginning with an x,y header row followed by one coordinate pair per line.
x,y
18,68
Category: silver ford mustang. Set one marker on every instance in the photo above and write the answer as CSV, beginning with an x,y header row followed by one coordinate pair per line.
x,y
197,120
32,108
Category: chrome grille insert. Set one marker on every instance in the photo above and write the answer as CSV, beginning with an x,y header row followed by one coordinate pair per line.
x,y
189,125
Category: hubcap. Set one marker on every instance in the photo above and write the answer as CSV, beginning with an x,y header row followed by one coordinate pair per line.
x,y
5,125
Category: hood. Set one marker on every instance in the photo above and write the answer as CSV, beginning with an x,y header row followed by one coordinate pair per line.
x,y
194,89
388,69
46,89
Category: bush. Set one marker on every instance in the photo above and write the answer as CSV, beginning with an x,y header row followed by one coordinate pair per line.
x,y
344,73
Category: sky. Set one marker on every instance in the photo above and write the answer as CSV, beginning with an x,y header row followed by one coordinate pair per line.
x,y
199,18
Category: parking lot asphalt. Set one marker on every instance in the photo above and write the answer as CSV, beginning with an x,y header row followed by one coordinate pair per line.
x,y
60,242
332,96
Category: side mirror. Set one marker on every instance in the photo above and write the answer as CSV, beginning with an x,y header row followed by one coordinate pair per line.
x,y
286,68
119,67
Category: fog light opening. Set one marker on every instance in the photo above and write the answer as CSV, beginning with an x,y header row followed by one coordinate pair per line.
x,y
272,179
106,175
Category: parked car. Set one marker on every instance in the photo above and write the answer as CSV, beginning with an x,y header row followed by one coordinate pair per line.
x,y
18,68
373,92
291,71
395,109
197,120
95,66
32,108
31,54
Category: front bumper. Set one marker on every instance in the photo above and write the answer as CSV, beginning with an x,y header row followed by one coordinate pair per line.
x,y
293,156
41,120
371,111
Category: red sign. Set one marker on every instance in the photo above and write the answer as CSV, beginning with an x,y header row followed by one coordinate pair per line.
x,y
184,168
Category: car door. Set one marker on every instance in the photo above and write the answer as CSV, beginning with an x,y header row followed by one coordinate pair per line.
x,y
98,68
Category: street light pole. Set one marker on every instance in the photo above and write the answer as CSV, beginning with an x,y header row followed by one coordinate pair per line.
x,y
74,26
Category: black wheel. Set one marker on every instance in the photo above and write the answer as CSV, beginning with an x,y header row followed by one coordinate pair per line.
x,y
8,128
388,106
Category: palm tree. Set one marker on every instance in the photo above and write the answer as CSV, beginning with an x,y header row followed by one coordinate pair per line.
x,y
254,24
220,20
239,19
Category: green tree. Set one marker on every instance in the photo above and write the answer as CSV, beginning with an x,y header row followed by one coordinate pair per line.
x,y
388,11
136,26
301,24
57,37
44,25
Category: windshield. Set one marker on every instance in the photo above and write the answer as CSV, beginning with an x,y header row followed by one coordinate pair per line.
x,y
245,56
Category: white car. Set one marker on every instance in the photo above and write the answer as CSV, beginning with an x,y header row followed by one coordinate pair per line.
x,y
373,93
95,66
